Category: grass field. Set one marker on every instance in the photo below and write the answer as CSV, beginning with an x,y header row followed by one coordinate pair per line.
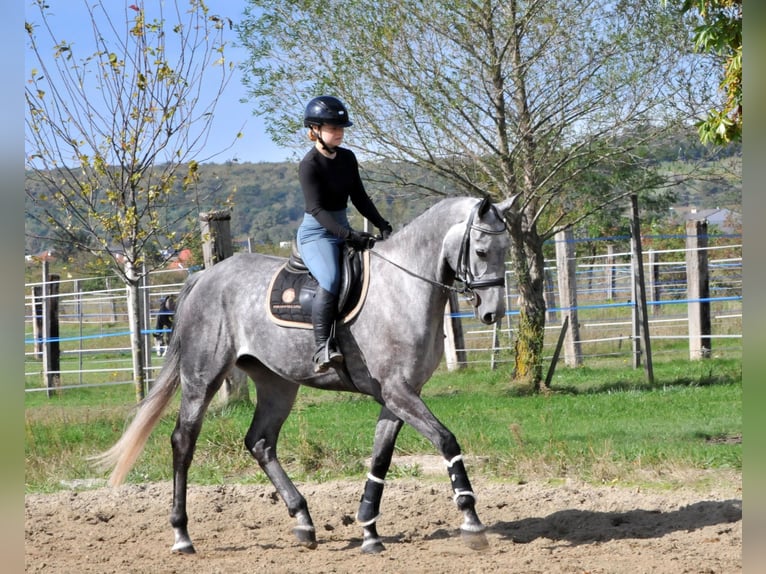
x,y
603,425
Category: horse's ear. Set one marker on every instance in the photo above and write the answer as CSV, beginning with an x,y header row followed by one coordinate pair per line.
x,y
484,206
505,205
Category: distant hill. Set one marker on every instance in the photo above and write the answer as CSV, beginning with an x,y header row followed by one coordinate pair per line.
x,y
268,203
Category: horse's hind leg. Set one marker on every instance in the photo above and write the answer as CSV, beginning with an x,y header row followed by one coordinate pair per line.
x,y
386,431
194,402
407,405
274,401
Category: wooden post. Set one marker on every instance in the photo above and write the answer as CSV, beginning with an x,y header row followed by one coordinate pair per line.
x,y
609,271
217,246
698,289
216,236
565,262
454,341
51,345
639,286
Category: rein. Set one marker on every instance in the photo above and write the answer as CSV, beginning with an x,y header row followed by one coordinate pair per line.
x,y
463,274
416,276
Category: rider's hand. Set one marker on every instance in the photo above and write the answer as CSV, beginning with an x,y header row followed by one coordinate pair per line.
x,y
385,230
360,240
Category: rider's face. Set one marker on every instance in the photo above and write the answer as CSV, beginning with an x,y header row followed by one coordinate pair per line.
x,y
332,135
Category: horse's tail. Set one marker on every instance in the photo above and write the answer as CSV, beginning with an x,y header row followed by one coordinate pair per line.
x,y
123,455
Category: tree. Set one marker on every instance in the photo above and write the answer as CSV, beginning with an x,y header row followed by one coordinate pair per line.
x,y
719,32
112,132
500,98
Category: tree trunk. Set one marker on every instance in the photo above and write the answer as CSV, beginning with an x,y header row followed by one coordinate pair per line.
x,y
528,365
134,320
528,262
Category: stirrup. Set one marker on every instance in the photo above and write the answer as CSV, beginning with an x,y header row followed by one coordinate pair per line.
x,y
325,356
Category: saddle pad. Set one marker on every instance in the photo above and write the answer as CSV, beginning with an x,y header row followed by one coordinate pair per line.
x,y
284,301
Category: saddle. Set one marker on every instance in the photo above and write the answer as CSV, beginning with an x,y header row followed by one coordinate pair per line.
x,y
292,289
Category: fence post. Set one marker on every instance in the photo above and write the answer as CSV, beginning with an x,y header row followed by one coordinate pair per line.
x,y
51,345
609,271
217,246
216,236
639,287
37,320
146,322
698,289
654,288
495,344
112,304
80,311
635,331
550,296
454,342
565,262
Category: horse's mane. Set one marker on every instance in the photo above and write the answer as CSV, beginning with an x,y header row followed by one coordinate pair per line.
x,y
446,212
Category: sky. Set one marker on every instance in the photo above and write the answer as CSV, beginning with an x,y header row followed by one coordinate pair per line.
x,y
69,22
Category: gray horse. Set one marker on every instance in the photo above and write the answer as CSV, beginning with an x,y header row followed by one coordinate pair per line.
x,y
392,347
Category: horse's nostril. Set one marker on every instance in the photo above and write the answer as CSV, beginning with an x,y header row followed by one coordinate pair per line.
x,y
488,318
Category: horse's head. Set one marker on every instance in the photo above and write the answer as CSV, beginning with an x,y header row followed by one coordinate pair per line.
x,y
481,255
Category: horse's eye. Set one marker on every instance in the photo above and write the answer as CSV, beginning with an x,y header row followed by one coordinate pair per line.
x,y
482,253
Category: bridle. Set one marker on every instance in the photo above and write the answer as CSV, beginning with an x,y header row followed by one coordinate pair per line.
x,y
463,273
464,277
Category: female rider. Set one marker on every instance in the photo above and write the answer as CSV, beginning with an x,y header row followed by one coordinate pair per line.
x,y
329,177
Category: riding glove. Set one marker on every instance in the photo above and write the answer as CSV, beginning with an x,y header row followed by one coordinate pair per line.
x,y
385,230
360,240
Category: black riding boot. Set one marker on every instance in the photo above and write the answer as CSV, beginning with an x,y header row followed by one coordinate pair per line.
x,y
323,315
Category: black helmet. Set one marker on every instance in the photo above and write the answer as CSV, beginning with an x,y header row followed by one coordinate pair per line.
x,y
326,110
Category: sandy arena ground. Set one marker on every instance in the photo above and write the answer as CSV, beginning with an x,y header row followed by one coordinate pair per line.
x,y
532,528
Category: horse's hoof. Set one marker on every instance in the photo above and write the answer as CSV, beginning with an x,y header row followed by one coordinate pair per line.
x,y
372,546
306,537
474,540
183,548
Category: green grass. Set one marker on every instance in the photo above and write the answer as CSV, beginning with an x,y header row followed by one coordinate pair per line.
x,y
598,424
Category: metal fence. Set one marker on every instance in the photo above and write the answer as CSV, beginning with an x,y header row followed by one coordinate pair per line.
x,y
607,312
94,338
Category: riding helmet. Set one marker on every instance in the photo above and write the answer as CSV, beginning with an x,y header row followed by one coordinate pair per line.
x,y
326,110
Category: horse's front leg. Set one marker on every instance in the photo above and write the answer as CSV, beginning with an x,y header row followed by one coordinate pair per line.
x,y
472,529
386,431
407,405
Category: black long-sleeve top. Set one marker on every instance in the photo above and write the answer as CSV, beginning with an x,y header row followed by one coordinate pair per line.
x,y
328,184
